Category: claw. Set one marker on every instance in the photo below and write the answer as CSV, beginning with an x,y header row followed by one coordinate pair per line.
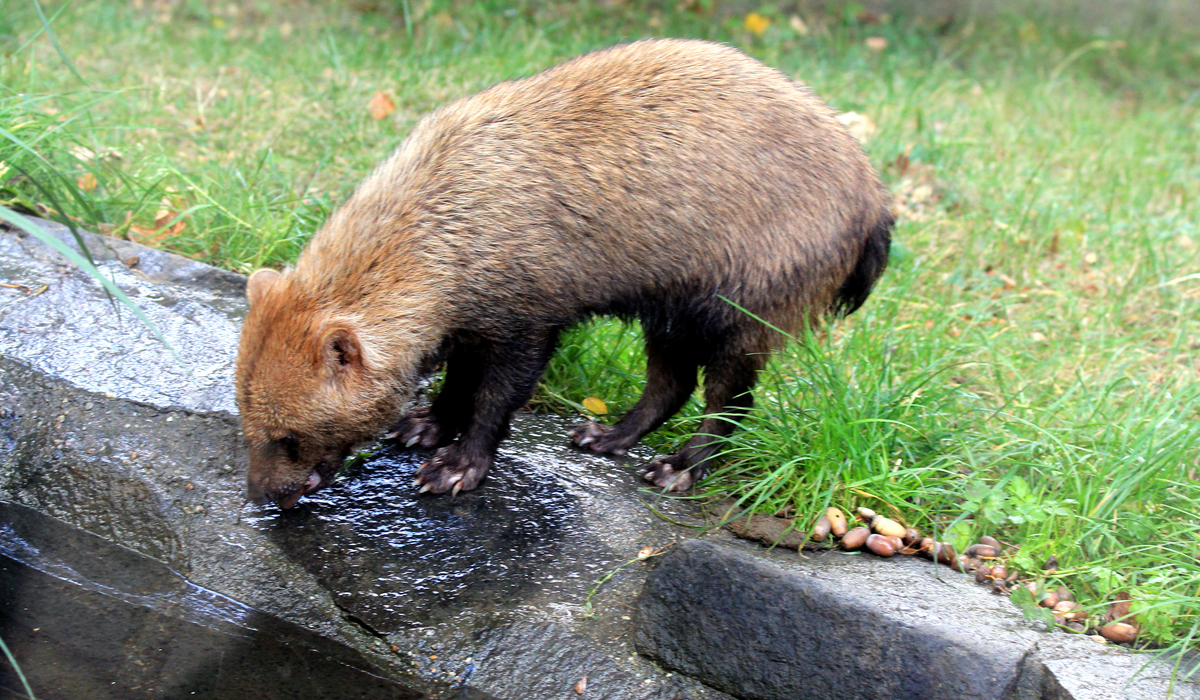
x,y
586,441
417,482
425,488
457,487
391,436
454,478
413,440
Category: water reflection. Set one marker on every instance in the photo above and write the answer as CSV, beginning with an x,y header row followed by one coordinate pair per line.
x,y
89,619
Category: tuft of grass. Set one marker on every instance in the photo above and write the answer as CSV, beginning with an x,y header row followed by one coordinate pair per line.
x,y
1027,368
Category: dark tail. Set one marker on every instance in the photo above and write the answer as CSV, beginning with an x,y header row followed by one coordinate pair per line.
x,y
872,261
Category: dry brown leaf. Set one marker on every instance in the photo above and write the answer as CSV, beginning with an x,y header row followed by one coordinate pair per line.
x,y
581,686
146,235
159,232
381,106
86,182
756,24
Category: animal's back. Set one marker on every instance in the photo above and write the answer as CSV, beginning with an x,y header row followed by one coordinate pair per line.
x,y
661,171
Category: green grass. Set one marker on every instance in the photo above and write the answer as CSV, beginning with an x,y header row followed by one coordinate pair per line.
x,y
1027,368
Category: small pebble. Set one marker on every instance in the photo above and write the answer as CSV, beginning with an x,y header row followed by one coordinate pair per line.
x,y
878,544
887,526
837,521
855,539
821,529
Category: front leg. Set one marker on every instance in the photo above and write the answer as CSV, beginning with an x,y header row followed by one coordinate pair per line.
x,y
438,424
509,373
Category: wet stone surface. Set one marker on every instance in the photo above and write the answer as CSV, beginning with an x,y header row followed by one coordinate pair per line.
x,y
111,434
58,321
398,559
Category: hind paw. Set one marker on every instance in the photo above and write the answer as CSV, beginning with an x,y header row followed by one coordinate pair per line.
x,y
672,473
451,470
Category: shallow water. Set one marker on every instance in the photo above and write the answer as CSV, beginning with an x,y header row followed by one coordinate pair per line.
x,y
395,558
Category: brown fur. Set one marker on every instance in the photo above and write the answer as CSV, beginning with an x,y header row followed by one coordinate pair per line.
x,y
653,180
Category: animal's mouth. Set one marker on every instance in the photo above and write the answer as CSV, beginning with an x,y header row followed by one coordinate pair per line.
x,y
314,483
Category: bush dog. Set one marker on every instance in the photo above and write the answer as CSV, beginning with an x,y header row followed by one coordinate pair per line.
x,y
679,183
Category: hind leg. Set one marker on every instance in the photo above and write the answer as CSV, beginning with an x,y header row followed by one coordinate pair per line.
x,y
728,379
440,422
670,379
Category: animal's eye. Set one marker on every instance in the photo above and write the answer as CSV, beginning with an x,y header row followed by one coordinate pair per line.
x,y
291,446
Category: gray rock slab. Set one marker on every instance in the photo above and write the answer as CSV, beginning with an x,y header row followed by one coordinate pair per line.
x,y
1072,667
102,428
768,626
492,592
63,325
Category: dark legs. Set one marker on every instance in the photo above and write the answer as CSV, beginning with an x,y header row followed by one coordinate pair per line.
x,y
487,381
729,374
727,384
439,423
485,384
670,380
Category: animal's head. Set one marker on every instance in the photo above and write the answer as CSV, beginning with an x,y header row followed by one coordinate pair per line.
x,y
310,387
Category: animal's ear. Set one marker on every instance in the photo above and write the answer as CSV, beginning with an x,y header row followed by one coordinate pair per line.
x,y
343,351
258,284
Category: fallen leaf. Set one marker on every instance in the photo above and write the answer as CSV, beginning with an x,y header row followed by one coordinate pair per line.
x,y
381,106
876,43
86,182
1029,32
860,126
756,24
595,405
645,552
581,686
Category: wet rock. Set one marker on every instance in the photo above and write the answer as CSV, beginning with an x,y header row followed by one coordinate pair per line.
x,y
143,451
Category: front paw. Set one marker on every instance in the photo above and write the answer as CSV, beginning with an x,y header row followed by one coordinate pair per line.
x,y
419,427
600,438
451,470
672,473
